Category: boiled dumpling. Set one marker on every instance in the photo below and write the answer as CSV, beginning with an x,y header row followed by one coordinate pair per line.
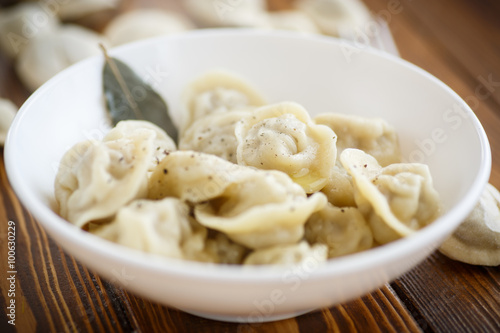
x,y
254,208
288,254
374,136
7,114
140,24
75,9
264,208
19,26
193,176
477,240
216,92
335,17
343,230
292,20
396,200
162,227
282,137
214,134
50,53
240,13
162,143
95,179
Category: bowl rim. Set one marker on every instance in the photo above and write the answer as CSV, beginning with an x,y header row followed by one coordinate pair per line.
x,y
352,263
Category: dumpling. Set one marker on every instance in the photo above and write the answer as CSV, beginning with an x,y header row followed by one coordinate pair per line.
x,y
477,240
95,179
70,10
396,200
292,20
254,208
215,92
51,52
22,23
282,137
339,189
214,134
343,230
8,112
240,13
162,227
264,208
287,254
334,17
193,176
162,143
372,135
144,23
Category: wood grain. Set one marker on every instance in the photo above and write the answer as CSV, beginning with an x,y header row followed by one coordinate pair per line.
x,y
457,41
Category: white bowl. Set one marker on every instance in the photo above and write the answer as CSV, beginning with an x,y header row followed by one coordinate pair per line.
x,y
324,74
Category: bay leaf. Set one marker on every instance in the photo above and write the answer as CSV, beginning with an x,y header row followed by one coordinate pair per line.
x,y
129,97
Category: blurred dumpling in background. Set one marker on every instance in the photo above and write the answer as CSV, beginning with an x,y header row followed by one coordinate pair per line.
x,y
333,17
74,9
7,113
50,53
21,24
242,13
145,23
294,20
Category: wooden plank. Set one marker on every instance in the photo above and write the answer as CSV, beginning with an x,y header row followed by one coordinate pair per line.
x,y
453,297
379,312
458,32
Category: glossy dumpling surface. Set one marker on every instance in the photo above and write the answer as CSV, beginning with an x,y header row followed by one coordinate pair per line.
x,y
263,208
282,137
193,176
255,208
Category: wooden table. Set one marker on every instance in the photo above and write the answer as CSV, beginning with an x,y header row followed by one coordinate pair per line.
x,y
456,40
